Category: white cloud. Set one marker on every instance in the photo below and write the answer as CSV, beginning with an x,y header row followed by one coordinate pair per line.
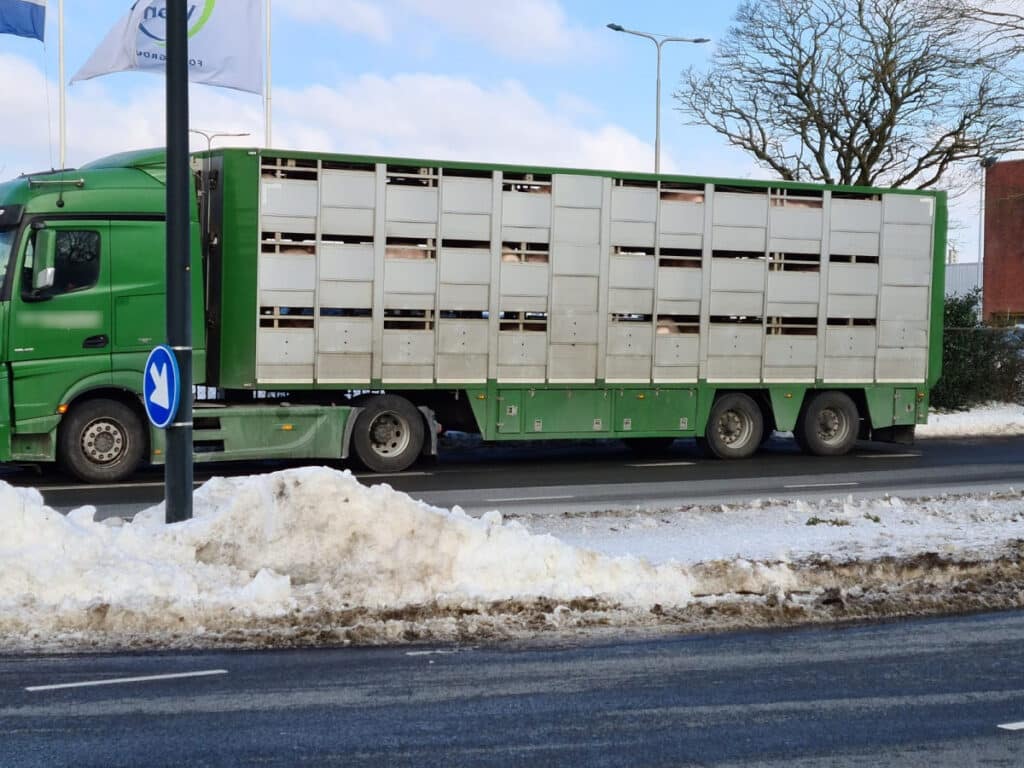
x,y
525,29
123,111
416,115
356,16
537,30
443,117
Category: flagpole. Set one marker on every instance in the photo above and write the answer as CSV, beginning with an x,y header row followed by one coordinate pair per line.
x,y
62,86
266,84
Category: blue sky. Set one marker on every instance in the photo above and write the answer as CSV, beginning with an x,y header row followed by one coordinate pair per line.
x,y
553,59
524,81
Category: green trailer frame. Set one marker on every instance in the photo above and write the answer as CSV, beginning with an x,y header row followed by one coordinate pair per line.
x,y
326,416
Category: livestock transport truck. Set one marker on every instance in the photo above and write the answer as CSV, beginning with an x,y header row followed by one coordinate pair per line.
x,y
354,305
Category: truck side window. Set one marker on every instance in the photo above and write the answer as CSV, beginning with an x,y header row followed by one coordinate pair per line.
x,y
77,260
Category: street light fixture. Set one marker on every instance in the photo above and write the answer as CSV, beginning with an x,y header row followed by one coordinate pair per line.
x,y
211,135
658,40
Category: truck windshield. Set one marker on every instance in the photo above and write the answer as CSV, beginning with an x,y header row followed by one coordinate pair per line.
x,y
6,241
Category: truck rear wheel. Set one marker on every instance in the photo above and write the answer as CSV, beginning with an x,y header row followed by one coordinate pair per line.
x,y
828,425
735,427
101,441
388,435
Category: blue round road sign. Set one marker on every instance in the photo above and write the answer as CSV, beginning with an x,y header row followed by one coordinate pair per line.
x,y
161,389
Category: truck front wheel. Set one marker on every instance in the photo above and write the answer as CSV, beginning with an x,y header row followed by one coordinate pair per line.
x,y
388,434
828,425
735,427
101,441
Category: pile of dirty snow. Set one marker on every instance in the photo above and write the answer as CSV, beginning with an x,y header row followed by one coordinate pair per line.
x,y
975,526
980,421
300,542
312,556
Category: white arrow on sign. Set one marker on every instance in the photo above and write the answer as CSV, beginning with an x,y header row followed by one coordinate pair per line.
x,y
161,393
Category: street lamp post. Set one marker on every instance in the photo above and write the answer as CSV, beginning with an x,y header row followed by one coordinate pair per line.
x,y
658,40
211,135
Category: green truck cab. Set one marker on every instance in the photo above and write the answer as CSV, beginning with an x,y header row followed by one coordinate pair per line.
x,y
349,303
82,304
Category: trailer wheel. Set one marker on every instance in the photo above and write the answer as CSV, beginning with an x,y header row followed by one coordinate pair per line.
x,y
735,427
101,441
388,435
828,425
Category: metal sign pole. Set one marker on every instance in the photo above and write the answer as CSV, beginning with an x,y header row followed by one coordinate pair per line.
x,y
178,471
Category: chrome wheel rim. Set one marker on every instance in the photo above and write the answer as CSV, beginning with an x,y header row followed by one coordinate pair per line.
x,y
389,434
734,428
833,426
104,441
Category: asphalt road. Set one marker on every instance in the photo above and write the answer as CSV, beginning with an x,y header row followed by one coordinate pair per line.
x,y
915,693
586,476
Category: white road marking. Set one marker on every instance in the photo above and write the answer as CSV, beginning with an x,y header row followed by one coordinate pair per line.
x,y
120,680
887,455
105,486
664,464
438,652
108,486
533,498
820,485
1012,726
372,475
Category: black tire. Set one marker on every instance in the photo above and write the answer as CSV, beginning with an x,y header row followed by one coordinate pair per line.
x,y
649,446
735,427
388,434
828,425
101,441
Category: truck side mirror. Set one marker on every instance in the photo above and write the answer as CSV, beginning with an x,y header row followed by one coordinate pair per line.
x,y
45,252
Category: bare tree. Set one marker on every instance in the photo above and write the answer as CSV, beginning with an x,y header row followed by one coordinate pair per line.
x,y
1000,22
863,92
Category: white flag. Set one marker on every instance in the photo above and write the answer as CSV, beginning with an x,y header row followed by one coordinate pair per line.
x,y
224,43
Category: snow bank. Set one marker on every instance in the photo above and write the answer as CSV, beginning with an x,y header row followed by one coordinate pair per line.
x,y
312,556
298,541
841,530
980,421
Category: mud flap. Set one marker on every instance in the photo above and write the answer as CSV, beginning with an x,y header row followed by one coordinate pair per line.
x,y
430,445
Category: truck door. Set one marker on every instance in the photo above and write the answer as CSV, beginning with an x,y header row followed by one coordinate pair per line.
x,y
61,335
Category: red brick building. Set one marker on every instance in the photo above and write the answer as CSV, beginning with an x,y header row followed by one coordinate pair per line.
x,y
1003,299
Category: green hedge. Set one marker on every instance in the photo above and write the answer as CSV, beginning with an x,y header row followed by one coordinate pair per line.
x,y
979,363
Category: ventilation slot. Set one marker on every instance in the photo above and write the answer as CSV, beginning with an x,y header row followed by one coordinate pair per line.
x,y
286,317
408,320
532,183
536,322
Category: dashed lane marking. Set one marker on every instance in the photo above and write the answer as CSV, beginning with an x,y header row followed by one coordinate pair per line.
x,y
820,485
664,464
888,455
107,486
121,680
372,475
533,498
